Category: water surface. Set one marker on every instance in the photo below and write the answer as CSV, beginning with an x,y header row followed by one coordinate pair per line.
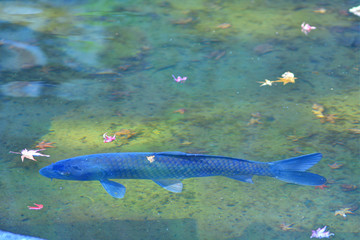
x,y
73,70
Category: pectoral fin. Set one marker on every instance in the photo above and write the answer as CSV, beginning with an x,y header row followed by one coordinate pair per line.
x,y
243,178
115,189
172,185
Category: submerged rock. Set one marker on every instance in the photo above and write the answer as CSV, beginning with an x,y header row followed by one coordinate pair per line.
x,y
13,236
22,89
74,90
17,55
22,10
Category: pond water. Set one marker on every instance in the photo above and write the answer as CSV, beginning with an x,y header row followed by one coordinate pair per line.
x,y
71,71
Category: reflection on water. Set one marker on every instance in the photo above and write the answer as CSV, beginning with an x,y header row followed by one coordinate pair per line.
x,y
72,70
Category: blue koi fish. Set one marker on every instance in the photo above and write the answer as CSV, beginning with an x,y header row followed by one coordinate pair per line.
x,y
167,169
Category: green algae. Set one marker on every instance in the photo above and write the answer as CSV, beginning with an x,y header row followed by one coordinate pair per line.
x,y
145,199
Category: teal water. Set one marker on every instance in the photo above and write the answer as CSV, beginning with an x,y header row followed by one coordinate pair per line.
x,y
72,70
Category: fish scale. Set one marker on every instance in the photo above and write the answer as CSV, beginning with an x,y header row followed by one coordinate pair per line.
x,y
168,168
138,167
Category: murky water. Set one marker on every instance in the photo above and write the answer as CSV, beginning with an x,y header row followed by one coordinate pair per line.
x,y
72,70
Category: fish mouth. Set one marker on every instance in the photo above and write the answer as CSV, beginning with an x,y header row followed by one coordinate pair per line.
x,y
44,172
47,172
57,171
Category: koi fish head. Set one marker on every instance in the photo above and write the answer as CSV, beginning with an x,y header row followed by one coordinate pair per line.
x,y
73,169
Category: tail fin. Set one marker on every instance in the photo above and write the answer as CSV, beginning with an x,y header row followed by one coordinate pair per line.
x,y
292,170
